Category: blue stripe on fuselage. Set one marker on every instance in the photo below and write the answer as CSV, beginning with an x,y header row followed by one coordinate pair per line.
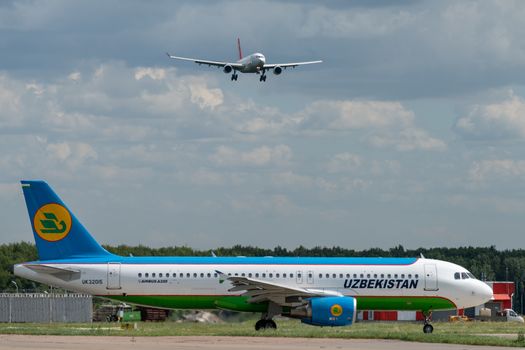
x,y
199,260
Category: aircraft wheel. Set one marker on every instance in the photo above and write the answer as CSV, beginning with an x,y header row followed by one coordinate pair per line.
x,y
265,324
264,78
428,328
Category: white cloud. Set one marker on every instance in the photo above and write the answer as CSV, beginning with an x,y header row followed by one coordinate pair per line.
x,y
152,73
496,168
204,97
505,119
409,139
344,162
72,154
261,156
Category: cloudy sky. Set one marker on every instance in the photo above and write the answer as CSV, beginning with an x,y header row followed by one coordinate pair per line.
x,y
411,132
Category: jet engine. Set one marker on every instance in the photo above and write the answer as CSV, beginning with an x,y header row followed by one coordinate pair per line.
x,y
227,69
326,311
277,70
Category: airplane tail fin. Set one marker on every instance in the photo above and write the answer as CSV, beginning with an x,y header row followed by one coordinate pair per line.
x,y
239,47
58,233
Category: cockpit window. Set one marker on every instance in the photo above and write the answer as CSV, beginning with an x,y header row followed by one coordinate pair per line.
x,y
464,275
471,275
457,276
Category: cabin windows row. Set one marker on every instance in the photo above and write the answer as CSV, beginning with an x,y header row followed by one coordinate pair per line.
x,y
174,275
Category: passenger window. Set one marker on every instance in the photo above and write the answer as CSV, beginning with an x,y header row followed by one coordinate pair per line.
x,y
327,275
368,275
361,275
410,276
202,275
257,275
284,275
291,275
402,275
395,275
355,275
188,275
375,275
147,275
277,275
250,275
215,275
389,276
340,275
140,275
209,275
347,275
298,275
382,275
264,275
320,275
153,274
416,276
242,274
160,275
457,276
194,275
270,275
334,275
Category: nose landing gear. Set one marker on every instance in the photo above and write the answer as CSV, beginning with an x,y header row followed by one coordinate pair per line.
x,y
234,76
262,77
427,327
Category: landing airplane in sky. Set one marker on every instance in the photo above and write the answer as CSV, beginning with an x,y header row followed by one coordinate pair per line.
x,y
318,291
254,63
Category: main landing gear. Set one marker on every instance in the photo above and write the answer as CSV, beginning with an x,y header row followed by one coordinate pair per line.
x,y
265,324
235,76
266,321
427,327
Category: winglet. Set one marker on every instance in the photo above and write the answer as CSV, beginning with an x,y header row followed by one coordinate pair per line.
x,y
239,47
222,276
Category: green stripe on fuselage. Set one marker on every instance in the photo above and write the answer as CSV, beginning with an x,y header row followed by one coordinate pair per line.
x,y
240,303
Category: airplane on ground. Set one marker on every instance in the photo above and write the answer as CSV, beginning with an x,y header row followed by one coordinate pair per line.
x,y
254,63
318,291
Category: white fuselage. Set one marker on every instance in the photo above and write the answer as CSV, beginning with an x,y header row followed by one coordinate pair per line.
x,y
423,278
252,63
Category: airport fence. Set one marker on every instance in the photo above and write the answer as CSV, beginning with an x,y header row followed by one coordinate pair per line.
x,y
45,308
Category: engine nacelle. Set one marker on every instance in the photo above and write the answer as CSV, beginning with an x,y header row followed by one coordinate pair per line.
x,y
326,311
227,69
277,70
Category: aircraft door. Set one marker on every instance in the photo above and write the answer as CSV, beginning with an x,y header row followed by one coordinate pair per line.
x,y
310,277
299,277
113,276
431,281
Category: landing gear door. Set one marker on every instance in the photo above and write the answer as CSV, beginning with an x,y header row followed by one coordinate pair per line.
x,y
431,281
113,276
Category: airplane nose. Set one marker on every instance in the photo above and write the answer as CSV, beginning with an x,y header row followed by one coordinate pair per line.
x,y
485,292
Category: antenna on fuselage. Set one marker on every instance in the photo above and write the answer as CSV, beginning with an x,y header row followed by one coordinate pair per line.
x,y
239,47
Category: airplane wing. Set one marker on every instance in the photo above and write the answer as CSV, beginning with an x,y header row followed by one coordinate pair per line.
x,y
206,62
289,65
260,291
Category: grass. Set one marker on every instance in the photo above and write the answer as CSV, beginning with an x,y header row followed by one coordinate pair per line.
x,y
468,333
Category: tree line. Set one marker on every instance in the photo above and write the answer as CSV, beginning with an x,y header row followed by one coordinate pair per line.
x,y
486,263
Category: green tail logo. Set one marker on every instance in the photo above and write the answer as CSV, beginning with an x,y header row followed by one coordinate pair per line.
x,y
50,224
